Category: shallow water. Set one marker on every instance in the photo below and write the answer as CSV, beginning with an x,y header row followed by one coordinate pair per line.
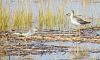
x,y
72,51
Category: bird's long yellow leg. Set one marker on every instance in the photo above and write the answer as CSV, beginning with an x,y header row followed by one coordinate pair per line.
x,y
79,31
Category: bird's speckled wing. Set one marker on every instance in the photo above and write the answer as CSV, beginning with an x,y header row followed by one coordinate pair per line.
x,y
81,21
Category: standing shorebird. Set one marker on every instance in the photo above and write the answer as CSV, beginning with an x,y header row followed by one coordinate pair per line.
x,y
76,20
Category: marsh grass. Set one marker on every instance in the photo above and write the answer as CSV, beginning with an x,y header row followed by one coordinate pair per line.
x,y
45,20
21,18
1,24
18,20
40,19
78,54
61,19
49,20
4,18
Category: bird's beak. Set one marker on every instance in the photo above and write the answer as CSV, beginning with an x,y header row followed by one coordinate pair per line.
x,y
68,14
79,15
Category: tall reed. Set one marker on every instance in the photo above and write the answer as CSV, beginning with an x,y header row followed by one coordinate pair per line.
x,y
45,19
40,19
22,18
1,25
18,20
4,17
48,19
61,17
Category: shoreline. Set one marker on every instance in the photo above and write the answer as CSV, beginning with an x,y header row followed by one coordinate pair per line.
x,y
50,37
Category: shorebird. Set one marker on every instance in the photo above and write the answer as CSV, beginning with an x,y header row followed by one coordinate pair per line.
x,y
30,32
76,20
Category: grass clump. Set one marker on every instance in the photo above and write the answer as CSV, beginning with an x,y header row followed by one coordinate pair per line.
x,y
21,18
48,18
4,18
40,20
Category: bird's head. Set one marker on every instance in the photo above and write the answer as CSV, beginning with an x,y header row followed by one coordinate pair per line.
x,y
68,14
71,13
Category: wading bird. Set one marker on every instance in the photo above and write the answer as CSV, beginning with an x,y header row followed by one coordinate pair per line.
x,y
76,20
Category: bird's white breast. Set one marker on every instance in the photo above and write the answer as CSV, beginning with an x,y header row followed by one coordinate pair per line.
x,y
74,21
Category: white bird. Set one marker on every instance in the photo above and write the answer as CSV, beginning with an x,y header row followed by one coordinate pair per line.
x,y
76,20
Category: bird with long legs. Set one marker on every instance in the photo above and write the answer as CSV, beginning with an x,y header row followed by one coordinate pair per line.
x,y
76,20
